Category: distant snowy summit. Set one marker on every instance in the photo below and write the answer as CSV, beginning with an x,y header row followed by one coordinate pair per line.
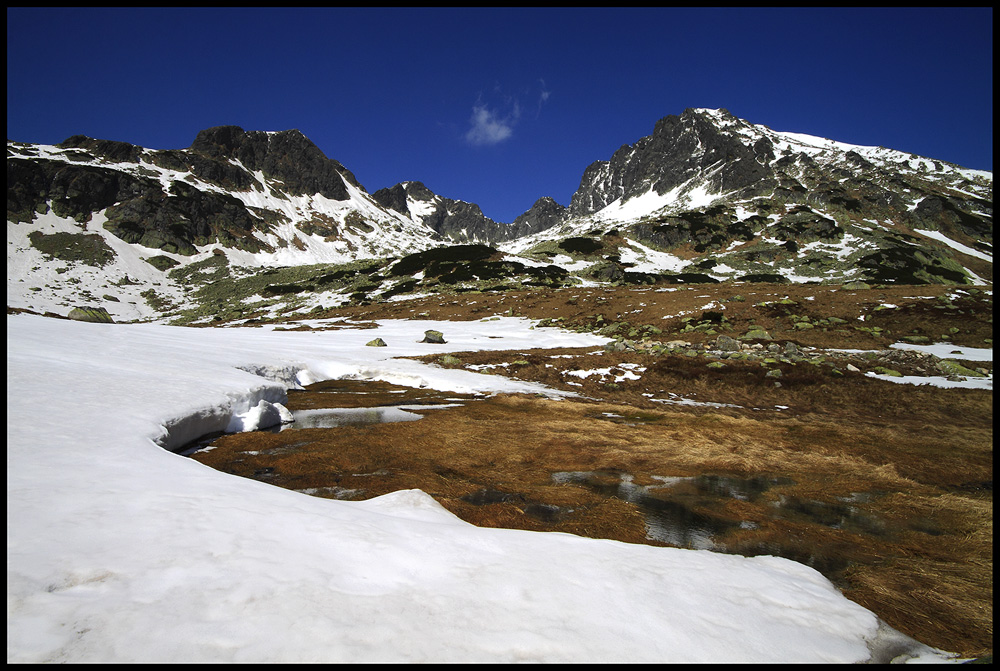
x,y
706,197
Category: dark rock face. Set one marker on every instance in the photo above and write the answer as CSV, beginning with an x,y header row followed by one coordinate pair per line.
x,y
680,148
394,198
140,211
474,263
184,218
543,215
454,220
459,220
288,156
113,151
75,190
464,222
710,230
952,216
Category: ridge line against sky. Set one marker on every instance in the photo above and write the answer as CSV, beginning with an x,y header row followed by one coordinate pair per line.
x,y
500,106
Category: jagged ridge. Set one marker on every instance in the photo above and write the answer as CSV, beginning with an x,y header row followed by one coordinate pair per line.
x,y
705,197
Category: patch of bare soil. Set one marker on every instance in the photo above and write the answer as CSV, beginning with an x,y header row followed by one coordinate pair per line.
x,y
885,488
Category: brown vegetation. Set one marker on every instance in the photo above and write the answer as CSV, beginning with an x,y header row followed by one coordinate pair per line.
x,y
885,488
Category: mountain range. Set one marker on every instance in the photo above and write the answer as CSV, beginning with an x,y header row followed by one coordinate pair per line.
x,y
251,222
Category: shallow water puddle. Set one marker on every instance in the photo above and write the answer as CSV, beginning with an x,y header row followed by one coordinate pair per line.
x,y
368,394
677,510
334,403
689,512
328,418
338,403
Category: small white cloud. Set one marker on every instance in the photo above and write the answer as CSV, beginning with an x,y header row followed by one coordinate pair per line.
x,y
544,95
488,127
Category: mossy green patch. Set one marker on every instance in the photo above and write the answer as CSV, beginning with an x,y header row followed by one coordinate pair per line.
x,y
951,367
87,248
162,262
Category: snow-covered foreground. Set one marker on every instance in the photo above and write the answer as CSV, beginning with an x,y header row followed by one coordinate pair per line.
x,y
121,551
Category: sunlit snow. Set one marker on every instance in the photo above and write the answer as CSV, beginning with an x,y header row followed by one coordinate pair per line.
x,y
121,551
937,235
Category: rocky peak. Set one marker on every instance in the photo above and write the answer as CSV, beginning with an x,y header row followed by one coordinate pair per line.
x,y
397,197
544,214
109,149
393,198
288,156
460,221
712,144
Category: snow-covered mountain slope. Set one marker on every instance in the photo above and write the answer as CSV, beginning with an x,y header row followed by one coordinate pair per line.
x,y
463,222
706,156
706,197
107,221
720,197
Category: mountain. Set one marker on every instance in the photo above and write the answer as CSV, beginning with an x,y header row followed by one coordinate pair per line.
x,y
266,216
464,222
737,200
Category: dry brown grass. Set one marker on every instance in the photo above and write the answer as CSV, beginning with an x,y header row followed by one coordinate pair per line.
x,y
513,444
921,310
916,549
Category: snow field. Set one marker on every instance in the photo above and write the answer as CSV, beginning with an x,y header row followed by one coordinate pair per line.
x,y
120,551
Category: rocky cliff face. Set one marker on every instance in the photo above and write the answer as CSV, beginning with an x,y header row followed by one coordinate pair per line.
x,y
742,201
250,191
459,221
287,156
691,147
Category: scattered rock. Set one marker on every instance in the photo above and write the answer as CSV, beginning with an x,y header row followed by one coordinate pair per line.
x,y
756,334
432,336
448,360
949,367
727,344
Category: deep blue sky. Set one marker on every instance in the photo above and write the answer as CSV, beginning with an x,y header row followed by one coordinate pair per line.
x,y
500,106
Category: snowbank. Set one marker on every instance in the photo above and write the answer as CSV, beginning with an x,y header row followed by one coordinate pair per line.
x,y
120,551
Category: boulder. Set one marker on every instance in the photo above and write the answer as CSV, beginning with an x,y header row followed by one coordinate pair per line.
x,y
432,336
378,342
87,314
727,344
949,367
756,334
